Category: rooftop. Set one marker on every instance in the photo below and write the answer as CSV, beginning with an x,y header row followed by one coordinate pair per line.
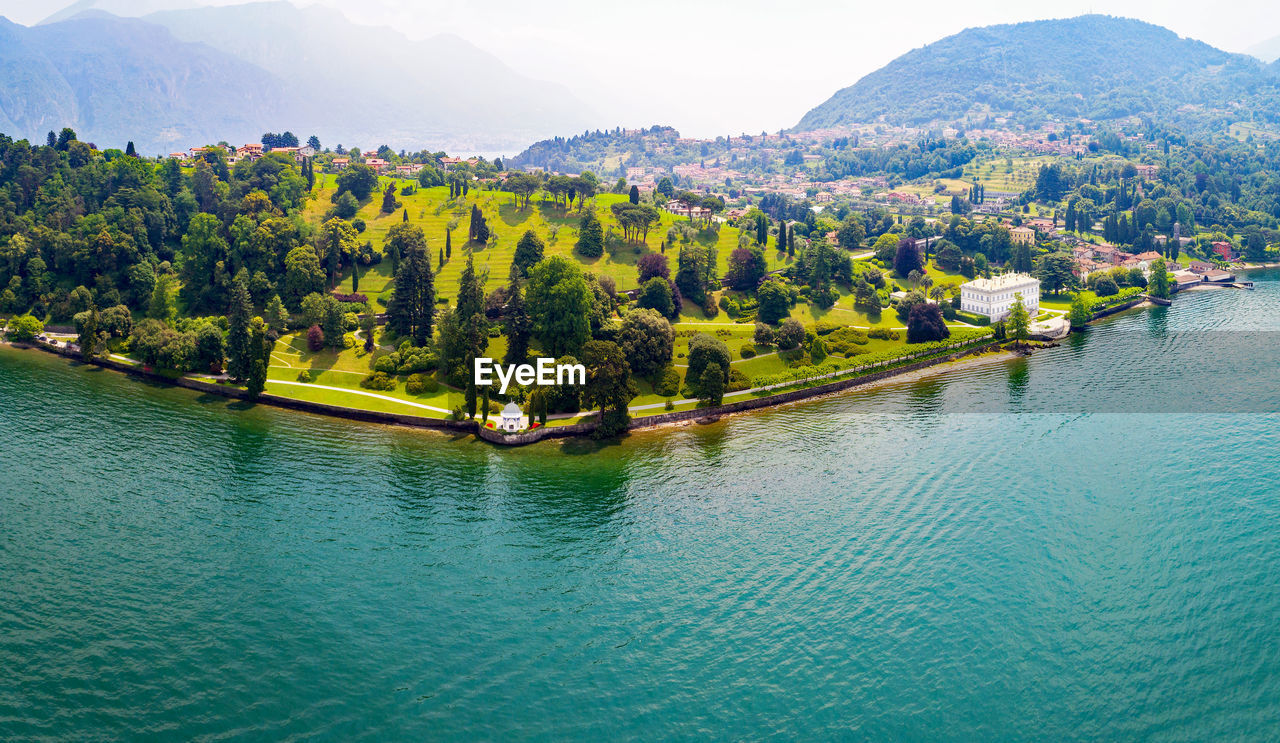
x,y
1003,281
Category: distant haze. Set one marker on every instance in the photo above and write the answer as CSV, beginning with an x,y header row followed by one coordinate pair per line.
x,y
711,68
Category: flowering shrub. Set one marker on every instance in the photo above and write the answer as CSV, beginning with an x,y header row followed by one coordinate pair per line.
x,y
351,298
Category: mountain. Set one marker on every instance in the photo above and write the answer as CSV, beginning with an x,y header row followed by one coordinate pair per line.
x,y
377,85
1267,51
182,77
115,79
1095,67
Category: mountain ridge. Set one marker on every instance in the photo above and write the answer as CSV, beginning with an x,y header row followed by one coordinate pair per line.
x,y
1092,66
268,66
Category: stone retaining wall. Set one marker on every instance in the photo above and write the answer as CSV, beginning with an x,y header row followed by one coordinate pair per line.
x,y
266,398
756,403
1119,308
497,437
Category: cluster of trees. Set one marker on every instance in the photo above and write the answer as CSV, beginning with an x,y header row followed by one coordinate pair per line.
x,y
271,140
635,219
478,227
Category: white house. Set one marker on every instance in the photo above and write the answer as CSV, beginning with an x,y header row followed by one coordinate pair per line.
x,y
512,419
994,297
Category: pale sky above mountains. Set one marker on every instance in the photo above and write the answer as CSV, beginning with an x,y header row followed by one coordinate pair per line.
x,y
712,68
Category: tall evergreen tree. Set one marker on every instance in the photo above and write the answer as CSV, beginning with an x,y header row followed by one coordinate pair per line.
x,y
239,316
470,293
518,324
259,353
411,311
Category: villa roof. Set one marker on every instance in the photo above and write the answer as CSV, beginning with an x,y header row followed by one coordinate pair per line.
x,y
1003,281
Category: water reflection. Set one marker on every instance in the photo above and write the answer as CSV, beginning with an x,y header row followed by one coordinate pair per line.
x,y
1019,381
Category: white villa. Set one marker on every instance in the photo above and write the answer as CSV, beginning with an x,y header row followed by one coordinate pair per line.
x,y
512,419
994,297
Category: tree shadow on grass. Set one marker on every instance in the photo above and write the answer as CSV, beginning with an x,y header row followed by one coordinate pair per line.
x,y
513,215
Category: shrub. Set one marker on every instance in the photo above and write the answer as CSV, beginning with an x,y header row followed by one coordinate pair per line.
x,y
747,351
351,298
385,364
884,334
378,381
671,404
738,381
668,382
304,376
825,327
418,384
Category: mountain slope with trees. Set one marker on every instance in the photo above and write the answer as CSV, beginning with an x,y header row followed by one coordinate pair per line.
x,y
1096,67
178,78
116,79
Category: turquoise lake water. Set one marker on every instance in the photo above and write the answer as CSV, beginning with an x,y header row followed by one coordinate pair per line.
x,y
1080,545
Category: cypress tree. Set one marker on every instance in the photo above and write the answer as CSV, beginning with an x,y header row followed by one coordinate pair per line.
x,y
355,276
470,294
259,352
448,244
239,317
129,149
518,323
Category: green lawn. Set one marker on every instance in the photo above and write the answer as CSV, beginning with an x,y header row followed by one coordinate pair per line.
x,y
433,211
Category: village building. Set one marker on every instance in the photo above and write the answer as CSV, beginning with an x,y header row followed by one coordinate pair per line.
x,y
1184,279
1022,235
994,297
1225,250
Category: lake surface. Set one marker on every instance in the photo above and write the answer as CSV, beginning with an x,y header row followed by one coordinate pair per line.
x,y
1084,544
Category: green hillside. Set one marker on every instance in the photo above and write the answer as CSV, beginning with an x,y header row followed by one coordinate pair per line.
x,y
432,210
1095,67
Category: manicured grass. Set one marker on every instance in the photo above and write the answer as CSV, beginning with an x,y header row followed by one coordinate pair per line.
x,y
433,211
344,369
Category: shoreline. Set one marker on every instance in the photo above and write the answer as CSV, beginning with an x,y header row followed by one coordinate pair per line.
x,y
972,360
960,358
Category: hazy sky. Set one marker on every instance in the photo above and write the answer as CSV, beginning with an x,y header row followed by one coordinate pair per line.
x,y
724,67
